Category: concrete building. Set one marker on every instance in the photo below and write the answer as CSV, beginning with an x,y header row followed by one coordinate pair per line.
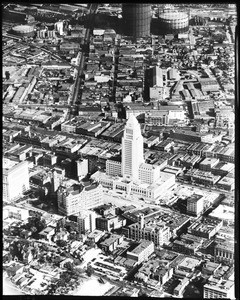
x,y
110,222
137,177
159,234
111,243
113,167
179,289
59,27
15,179
95,235
224,251
226,183
195,204
148,173
15,212
86,220
74,198
142,251
219,289
57,177
206,227
82,168
208,163
132,149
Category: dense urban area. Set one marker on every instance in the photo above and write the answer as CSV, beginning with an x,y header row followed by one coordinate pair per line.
x,y
119,149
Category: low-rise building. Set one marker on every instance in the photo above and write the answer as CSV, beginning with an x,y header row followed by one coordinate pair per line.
x,y
158,269
142,251
223,168
191,244
110,222
202,177
111,243
15,212
188,264
206,227
179,289
226,183
210,268
95,235
47,233
224,251
208,163
219,289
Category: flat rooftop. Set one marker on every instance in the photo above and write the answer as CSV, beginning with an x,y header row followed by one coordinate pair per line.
x,y
143,245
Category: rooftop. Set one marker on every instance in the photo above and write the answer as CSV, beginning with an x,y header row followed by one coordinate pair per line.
x,y
188,262
141,247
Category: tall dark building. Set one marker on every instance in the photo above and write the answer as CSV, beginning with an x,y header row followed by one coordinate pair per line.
x,y
136,19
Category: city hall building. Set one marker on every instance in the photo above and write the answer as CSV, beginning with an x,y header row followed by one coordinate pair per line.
x,y
132,175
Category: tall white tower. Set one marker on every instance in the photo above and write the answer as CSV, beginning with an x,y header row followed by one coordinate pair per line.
x,y
132,149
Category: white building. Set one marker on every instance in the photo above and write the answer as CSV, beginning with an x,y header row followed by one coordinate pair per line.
x,y
142,251
132,149
86,220
15,179
59,27
148,173
18,213
72,199
195,204
218,290
113,167
133,175
58,177
159,235
82,168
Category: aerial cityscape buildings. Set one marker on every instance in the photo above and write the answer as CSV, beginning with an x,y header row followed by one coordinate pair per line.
x,y
118,124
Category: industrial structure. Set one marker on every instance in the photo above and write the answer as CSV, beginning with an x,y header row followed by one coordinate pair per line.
x,y
171,21
23,30
136,19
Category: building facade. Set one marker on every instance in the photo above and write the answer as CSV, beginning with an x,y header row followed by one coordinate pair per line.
x,y
15,179
73,199
86,221
82,168
137,177
223,289
159,235
195,204
142,251
132,149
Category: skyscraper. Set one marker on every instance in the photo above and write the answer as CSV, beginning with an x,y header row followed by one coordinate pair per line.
x,y
133,176
136,19
132,149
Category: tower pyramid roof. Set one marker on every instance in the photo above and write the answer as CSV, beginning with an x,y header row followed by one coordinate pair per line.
x,y
132,121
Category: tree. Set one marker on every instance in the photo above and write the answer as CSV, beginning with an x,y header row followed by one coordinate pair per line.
x,y
7,74
89,271
61,243
68,265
